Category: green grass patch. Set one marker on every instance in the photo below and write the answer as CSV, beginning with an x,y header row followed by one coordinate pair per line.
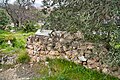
x,y
23,57
3,32
17,39
18,42
64,70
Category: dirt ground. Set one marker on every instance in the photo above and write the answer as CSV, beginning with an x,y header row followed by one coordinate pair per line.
x,y
20,72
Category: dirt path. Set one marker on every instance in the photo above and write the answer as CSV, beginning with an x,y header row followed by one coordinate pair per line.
x,y
20,72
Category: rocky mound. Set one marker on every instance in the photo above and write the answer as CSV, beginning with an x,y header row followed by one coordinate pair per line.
x,y
71,47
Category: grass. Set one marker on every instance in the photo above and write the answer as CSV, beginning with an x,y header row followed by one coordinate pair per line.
x,y
57,69
23,57
17,39
60,69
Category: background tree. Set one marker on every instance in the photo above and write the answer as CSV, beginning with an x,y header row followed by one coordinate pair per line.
x,y
4,19
20,11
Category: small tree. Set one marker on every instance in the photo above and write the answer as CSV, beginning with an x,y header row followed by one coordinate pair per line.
x,y
4,19
19,11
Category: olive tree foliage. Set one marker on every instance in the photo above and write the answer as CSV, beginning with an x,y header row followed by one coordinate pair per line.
x,y
4,19
99,20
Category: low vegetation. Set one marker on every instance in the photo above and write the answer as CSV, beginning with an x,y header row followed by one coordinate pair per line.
x,y
30,26
58,69
4,19
12,42
23,57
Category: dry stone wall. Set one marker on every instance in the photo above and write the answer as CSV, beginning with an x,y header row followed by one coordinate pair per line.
x,y
67,46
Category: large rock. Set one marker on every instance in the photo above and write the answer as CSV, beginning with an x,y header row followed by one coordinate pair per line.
x,y
43,32
75,53
69,53
90,47
82,58
42,52
79,35
49,48
90,62
58,45
105,70
62,40
30,47
50,40
88,52
68,36
33,58
65,48
54,53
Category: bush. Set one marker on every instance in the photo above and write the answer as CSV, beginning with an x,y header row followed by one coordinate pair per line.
x,y
4,19
4,40
19,44
30,26
23,58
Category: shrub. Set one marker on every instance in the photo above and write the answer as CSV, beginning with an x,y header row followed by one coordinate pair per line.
x,y
30,26
4,40
23,58
19,43
4,19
